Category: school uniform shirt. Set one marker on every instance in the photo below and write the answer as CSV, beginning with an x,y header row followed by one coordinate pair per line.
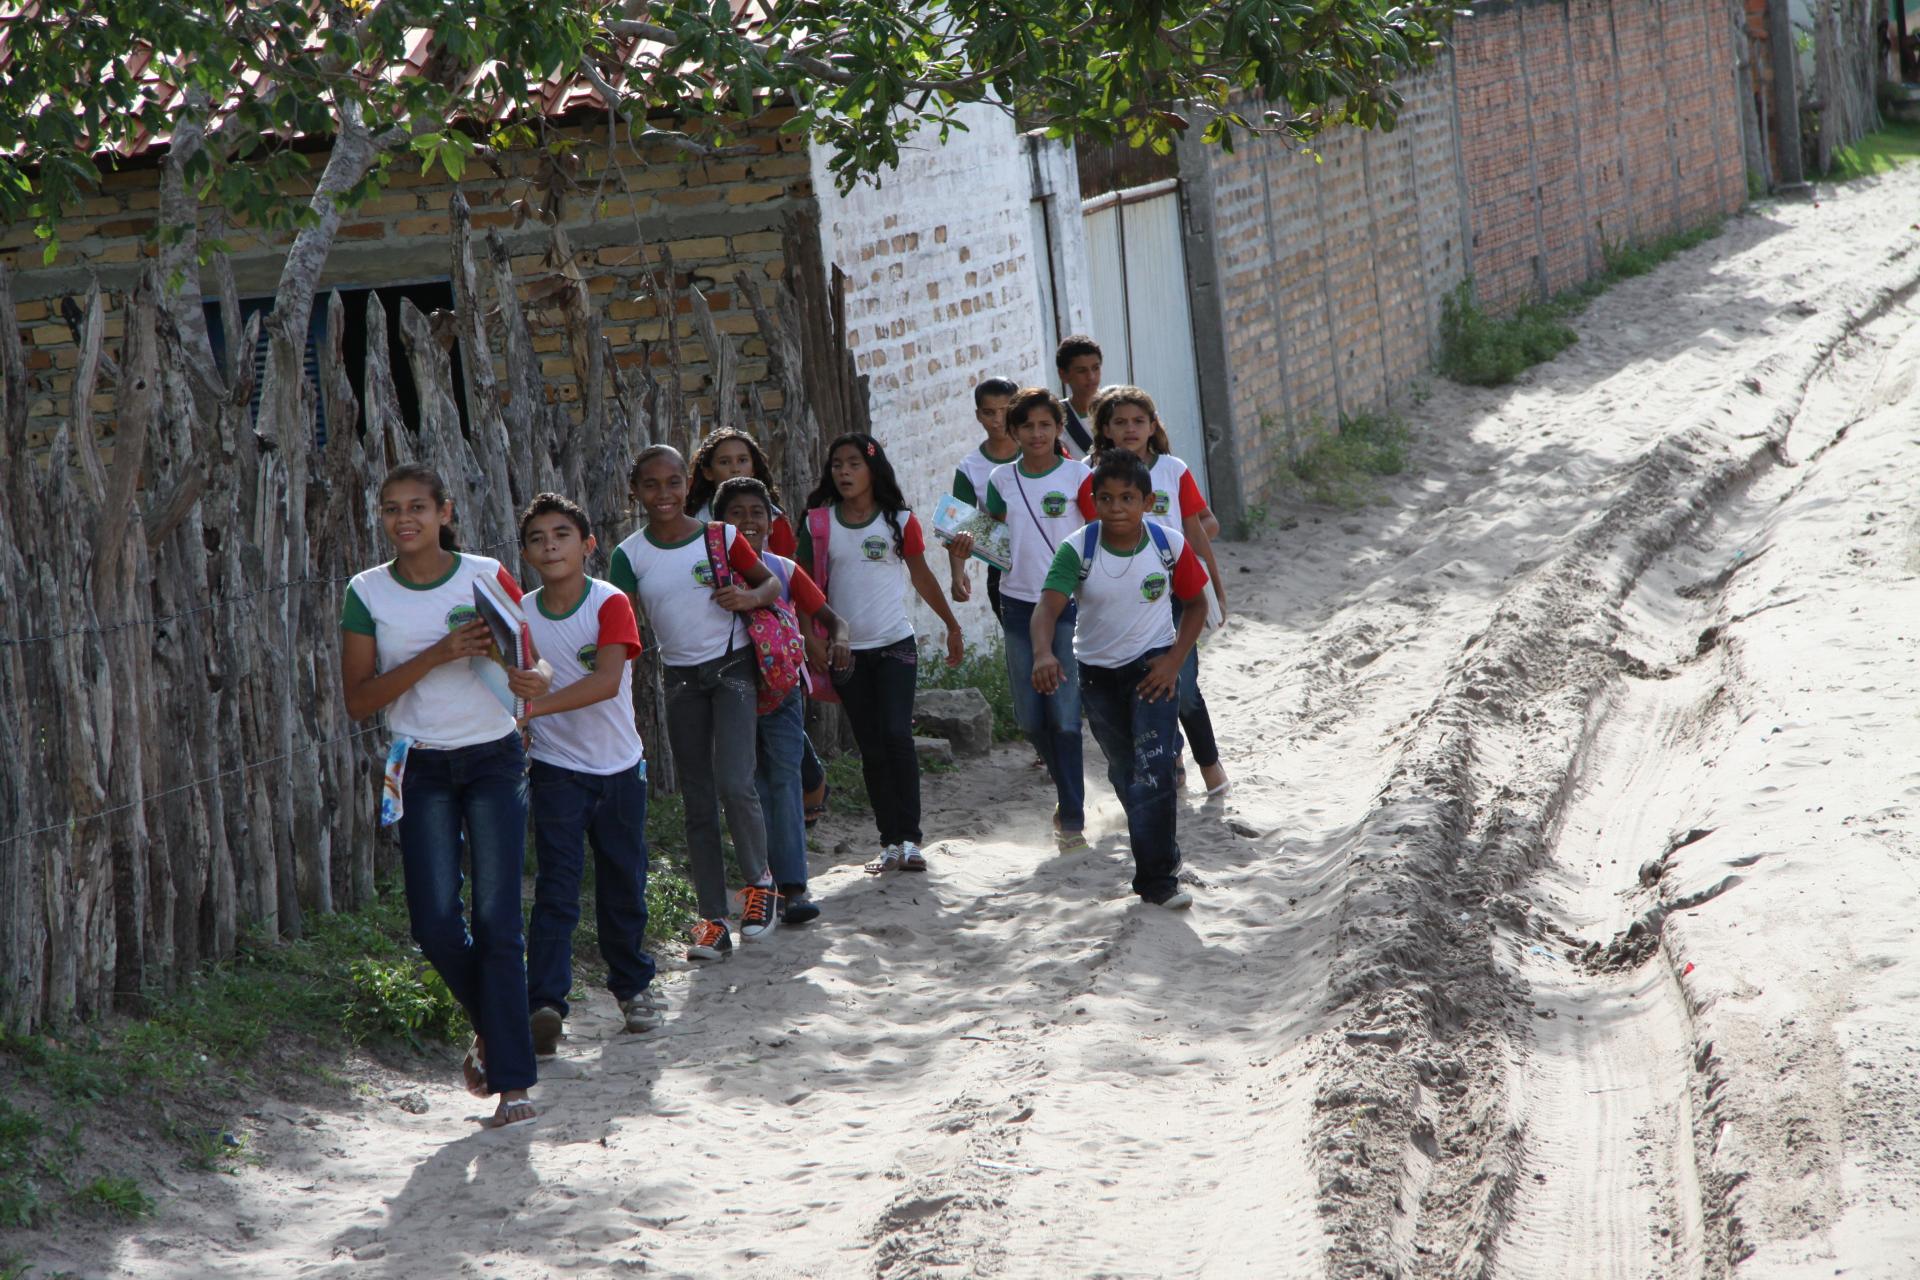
x,y
796,588
866,578
1123,599
674,584
599,739
780,539
450,706
1175,495
970,477
1039,511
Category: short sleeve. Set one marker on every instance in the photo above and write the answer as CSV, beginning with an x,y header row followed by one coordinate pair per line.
x,y
807,597
619,626
1191,503
354,615
912,541
963,488
996,501
620,572
509,584
1189,575
1086,498
780,539
1063,575
740,555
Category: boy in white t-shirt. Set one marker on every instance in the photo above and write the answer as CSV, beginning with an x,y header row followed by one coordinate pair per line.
x,y
990,399
588,776
1121,571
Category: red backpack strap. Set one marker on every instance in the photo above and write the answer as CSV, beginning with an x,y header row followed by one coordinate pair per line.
x,y
717,553
819,529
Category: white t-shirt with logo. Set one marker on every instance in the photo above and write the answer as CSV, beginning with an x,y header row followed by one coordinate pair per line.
x,y
1175,494
601,738
866,577
1039,511
1123,598
970,477
449,706
674,583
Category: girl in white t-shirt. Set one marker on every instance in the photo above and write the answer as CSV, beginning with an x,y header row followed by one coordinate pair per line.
x,y
411,639
708,666
873,548
1125,418
725,453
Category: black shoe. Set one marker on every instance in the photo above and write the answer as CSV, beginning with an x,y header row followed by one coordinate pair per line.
x,y
1174,899
800,908
709,940
548,1027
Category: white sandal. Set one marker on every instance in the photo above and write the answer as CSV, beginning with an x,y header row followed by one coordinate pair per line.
x,y
889,860
911,858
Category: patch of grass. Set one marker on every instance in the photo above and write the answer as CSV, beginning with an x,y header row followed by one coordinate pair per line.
x,y
670,900
985,669
20,1132
1882,151
1485,351
847,786
1339,466
1488,351
110,1194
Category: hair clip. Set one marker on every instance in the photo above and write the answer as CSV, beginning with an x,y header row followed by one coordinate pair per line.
x,y
871,448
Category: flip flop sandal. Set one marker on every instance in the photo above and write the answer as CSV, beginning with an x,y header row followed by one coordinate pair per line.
x,y
1214,793
913,860
474,1072
519,1111
889,860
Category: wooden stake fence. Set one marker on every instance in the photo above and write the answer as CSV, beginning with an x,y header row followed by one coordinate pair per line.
x,y
176,762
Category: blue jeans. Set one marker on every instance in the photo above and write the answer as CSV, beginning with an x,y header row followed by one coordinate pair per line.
x,y
479,792
1051,721
571,808
1194,716
776,776
1138,737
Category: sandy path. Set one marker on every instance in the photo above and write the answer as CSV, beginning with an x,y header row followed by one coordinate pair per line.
x,y
1334,1063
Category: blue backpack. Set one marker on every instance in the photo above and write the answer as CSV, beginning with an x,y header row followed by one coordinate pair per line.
x,y
1090,545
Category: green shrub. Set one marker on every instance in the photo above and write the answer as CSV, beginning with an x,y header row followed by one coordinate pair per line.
x,y
1338,466
110,1194
1483,351
985,669
1881,151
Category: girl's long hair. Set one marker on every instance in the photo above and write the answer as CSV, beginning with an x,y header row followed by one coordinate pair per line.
x,y
1112,398
700,490
421,473
886,486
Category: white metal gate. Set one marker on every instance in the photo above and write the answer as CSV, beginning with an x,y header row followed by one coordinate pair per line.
x,y
1141,316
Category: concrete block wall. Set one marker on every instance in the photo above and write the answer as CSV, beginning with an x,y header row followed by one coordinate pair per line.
x,y
714,219
1555,129
943,291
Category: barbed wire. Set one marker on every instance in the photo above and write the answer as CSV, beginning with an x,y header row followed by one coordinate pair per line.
x,y
189,786
128,624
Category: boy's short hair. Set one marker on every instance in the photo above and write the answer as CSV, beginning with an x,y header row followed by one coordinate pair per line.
x,y
1072,347
1125,466
739,487
1027,399
544,504
993,387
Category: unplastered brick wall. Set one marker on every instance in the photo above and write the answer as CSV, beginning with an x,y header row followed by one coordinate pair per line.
x,y
942,292
713,218
1552,132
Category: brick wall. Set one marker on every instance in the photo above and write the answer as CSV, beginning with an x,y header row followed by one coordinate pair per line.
x,y
1553,131
714,218
942,292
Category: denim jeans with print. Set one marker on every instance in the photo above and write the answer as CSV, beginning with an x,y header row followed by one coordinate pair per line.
x,y
1138,738
473,801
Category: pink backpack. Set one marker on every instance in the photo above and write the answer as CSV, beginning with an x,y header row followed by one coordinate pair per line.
x,y
819,529
780,656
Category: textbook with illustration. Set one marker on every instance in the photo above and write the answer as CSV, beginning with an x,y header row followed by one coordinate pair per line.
x,y
992,541
512,642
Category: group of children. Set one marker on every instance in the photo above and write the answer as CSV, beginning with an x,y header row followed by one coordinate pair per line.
x,y
1101,608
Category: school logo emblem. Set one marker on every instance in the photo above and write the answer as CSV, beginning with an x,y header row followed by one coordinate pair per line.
x,y
460,615
1153,587
587,654
1054,504
873,547
703,572
1161,503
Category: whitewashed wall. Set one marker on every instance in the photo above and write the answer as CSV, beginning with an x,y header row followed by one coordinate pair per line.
x,y
944,289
